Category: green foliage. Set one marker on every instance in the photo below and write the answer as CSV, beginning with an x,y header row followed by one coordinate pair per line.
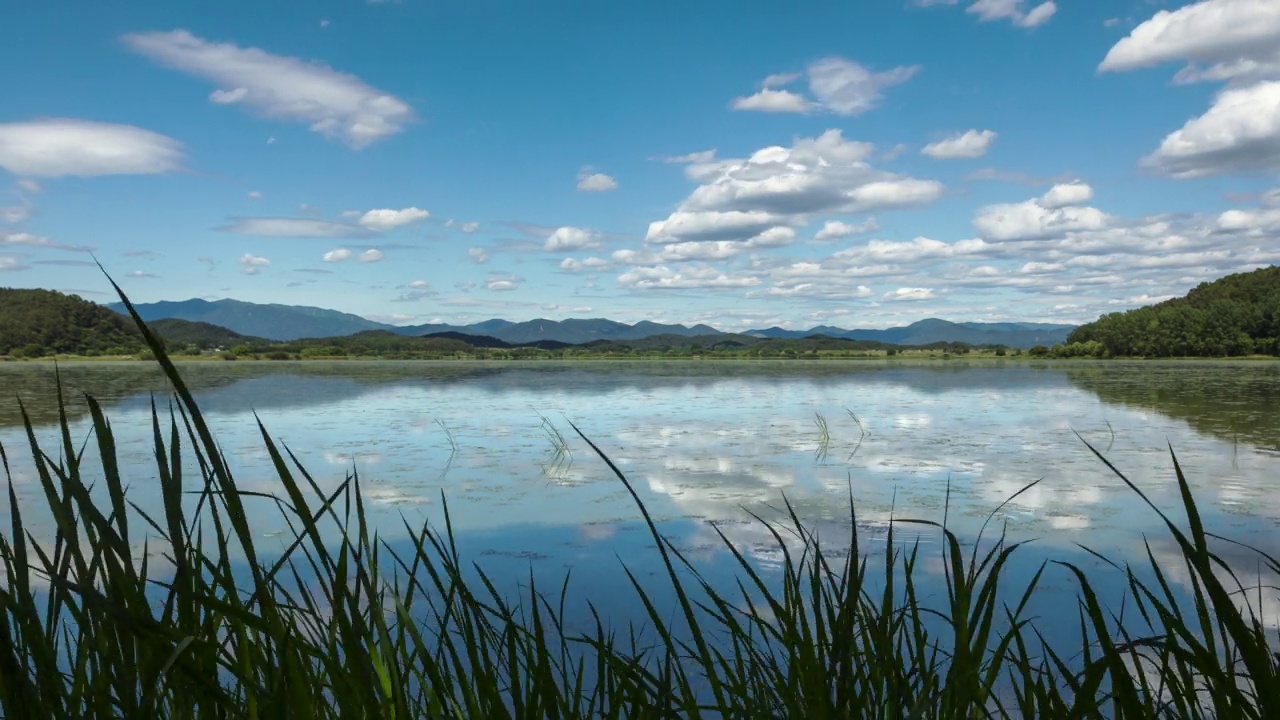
x,y
1235,315
202,335
36,323
355,628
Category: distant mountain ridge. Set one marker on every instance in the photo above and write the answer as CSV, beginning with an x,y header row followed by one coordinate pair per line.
x,y
931,330
293,322
273,322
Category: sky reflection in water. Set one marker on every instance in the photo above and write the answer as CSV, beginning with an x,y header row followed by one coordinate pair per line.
x,y
709,441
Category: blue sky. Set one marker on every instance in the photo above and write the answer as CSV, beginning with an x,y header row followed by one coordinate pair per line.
x,y
743,164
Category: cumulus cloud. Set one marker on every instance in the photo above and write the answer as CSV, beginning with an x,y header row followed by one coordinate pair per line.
x,y
387,219
10,263
776,186
1235,40
1239,133
251,264
1054,215
968,144
58,147
1013,11
331,103
469,227
371,255
568,238
595,182
1063,194
479,254
292,228
836,85
834,229
336,255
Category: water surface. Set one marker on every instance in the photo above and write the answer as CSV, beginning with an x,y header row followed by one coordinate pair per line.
x,y
709,442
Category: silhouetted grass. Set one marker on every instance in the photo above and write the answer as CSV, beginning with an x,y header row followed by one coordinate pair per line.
x,y
352,627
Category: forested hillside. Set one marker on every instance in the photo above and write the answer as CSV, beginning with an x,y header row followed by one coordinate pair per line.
x,y
35,323
1235,315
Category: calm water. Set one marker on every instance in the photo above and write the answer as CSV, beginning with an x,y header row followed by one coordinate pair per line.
x,y
710,441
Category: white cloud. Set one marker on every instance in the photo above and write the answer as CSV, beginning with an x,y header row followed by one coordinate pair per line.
x,y
686,278
1063,194
479,254
292,227
834,229
336,255
778,186
837,85
254,194
371,255
252,264
1012,10
694,158
140,274
386,219
710,225
894,193
228,97
332,103
1238,39
969,144
59,147
27,185
595,182
1239,133
591,263
11,262
1032,220
502,282
910,293
470,227
847,88
569,238
769,100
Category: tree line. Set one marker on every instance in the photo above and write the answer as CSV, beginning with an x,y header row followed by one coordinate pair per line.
x,y
1229,317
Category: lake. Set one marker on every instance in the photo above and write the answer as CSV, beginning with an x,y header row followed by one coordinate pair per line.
x,y
710,442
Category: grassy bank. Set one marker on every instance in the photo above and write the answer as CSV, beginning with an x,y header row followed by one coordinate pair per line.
x,y
359,628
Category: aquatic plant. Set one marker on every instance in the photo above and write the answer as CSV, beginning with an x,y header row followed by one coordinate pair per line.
x,y
184,615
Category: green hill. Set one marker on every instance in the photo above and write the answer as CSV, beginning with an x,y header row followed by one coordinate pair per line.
x,y
1231,316
176,332
35,323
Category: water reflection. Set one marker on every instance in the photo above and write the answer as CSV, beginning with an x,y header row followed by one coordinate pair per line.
x,y
712,442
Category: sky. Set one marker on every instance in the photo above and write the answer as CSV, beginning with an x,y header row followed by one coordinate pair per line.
x,y
743,164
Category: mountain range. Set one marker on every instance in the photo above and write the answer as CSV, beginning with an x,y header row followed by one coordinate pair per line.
x,y
293,322
931,330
